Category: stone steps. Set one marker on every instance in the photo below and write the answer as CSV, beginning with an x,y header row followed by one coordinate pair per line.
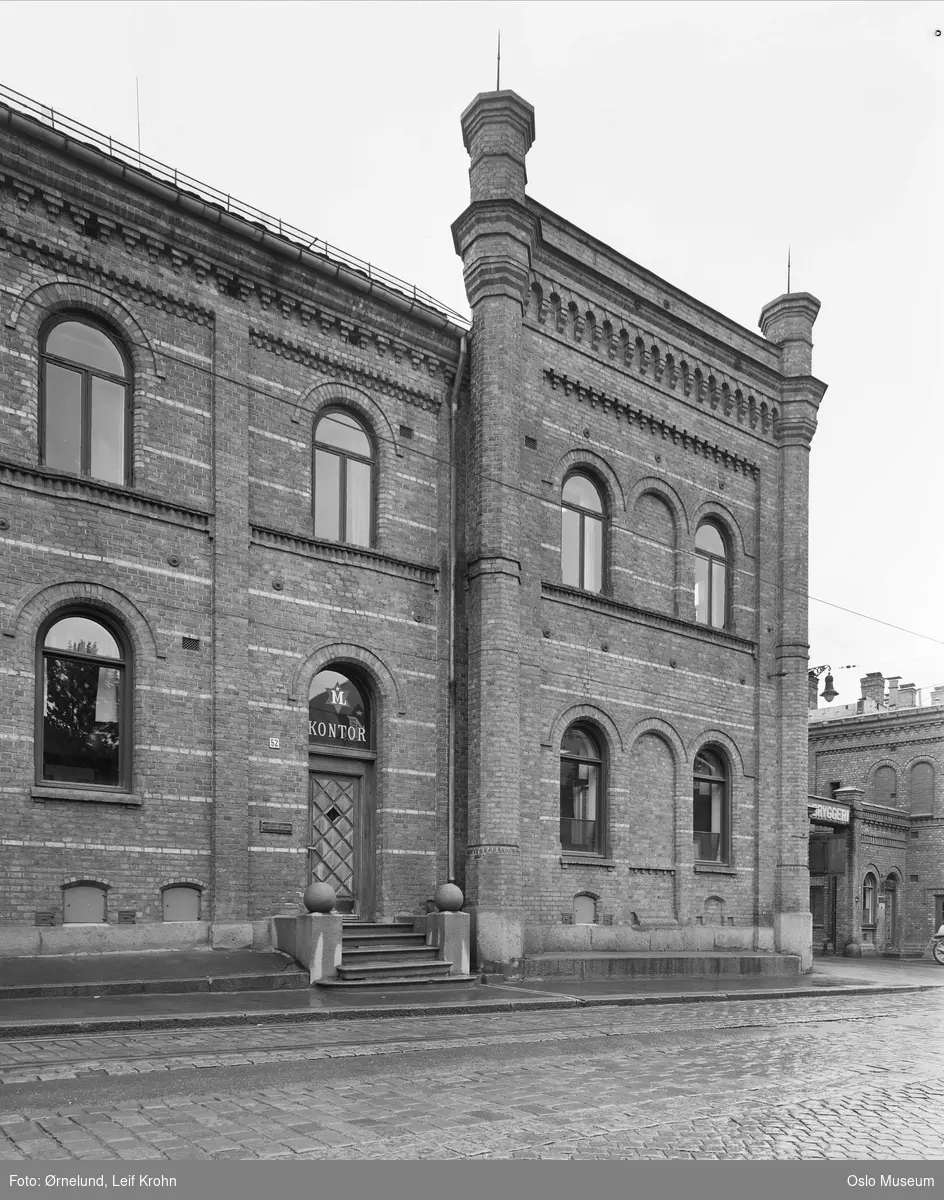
x,y
374,954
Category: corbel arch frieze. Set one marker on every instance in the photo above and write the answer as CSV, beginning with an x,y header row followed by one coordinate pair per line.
x,y
31,308
33,608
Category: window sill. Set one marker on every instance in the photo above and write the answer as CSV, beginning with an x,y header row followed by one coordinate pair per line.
x,y
570,858
42,792
704,868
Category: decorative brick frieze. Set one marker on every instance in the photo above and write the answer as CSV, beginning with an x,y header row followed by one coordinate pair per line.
x,y
622,409
51,483
370,560
345,370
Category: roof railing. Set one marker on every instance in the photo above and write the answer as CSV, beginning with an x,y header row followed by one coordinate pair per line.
x,y
45,115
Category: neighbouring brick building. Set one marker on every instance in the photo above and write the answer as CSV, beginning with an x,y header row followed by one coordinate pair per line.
x,y
877,819
303,578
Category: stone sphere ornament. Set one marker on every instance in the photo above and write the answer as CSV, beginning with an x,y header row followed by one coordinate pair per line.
x,y
319,898
448,897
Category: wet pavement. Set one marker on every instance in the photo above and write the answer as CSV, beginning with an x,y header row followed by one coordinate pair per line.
x,y
835,1074
63,1013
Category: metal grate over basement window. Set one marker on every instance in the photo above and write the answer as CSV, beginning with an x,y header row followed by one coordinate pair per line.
x,y
45,918
406,431
531,443
190,643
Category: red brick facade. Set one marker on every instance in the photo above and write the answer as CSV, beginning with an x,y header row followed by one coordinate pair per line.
x,y
207,560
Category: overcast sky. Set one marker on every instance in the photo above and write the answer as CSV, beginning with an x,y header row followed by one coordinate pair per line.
x,y
698,139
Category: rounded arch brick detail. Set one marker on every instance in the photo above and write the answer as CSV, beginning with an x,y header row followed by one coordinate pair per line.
x,y
652,484
664,729
31,309
584,712
48,599
334,392
716,737
724,517
595,464
346,652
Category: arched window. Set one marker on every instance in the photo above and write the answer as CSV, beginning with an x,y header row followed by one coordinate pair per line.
x,y
83,701
868,900
885,787
710,807
582,533
338,712
86,394
581,792
343,479
711,576
921,788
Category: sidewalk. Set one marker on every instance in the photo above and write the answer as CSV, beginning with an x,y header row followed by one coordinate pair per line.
x,y
223,1001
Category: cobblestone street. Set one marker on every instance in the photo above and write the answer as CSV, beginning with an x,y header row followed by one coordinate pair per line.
x,y
831,1077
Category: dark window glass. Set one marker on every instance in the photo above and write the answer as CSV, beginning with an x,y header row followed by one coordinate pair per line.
x,y
581,825
711,577
868,900
82,726
818,905
885,787
338,712
85,396
343,485
582,534
922,790
710,808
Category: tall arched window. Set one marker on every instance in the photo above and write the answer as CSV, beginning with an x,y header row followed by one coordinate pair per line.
x,y
582,533
343,479
711,576
885,787
710,807
581,792
338,712
86,395
921,788
84,713
868,900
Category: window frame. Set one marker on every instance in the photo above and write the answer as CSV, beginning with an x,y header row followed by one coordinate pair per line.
x,y
929,811
345,456
87,374
872,889
712,559
125,702
583,514
589,731
714,751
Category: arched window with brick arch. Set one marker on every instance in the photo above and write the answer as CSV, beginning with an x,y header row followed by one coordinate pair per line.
x,y
583,533
581,791
711,576
85,399
343,491
83,702
711,806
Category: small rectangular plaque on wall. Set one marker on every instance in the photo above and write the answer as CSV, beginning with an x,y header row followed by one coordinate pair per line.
x,y
284,828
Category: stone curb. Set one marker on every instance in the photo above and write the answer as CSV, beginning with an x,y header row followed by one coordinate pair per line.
x,y
17,1029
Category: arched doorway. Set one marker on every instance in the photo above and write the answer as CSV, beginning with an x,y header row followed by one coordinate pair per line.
x,y
340,788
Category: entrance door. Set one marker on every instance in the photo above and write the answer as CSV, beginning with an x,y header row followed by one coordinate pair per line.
x,y
338,834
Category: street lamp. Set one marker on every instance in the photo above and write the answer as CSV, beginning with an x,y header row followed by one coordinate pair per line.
x,y
828,693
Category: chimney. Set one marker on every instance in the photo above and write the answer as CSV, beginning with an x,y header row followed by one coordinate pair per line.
x,y
814,692
873,687
906,695
893,681
937,694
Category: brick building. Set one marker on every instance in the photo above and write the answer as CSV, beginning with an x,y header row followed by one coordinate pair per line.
x,y
877,819
303,578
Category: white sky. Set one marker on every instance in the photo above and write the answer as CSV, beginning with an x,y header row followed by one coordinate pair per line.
x,y
698,139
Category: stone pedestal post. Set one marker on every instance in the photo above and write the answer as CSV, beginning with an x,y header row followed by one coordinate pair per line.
x,y
449,933
313,940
